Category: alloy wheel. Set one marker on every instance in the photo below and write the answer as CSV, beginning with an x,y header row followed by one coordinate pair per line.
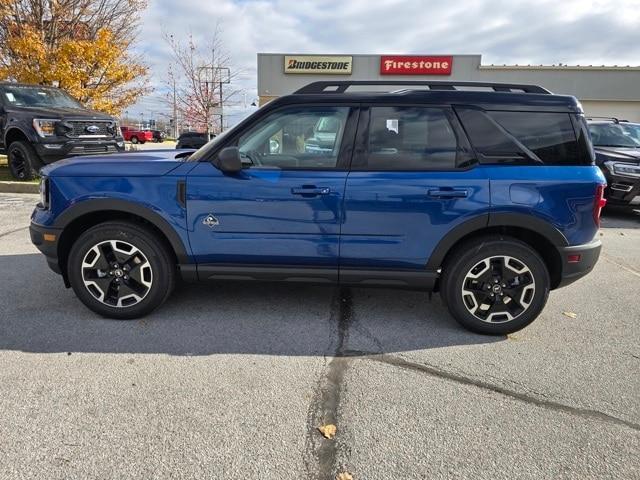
x,y
498,289
18,163
117,273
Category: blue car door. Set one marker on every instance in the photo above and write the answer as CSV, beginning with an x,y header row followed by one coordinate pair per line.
x,y
280,215
412,181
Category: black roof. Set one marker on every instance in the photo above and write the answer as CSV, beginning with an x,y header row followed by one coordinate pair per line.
x,y
490,96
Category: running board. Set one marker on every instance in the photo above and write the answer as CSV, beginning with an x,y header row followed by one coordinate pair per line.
x,y
388,278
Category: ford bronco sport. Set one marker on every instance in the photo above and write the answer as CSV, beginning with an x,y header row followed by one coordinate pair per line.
x,y
39,125
487,193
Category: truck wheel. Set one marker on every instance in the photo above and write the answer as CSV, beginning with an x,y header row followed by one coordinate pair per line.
x,y
134,139
121,270
495,285
23,161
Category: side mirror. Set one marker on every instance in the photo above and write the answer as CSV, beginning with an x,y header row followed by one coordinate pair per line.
x,y
229,160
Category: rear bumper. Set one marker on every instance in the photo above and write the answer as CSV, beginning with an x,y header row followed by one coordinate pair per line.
x,y
47,245
578,260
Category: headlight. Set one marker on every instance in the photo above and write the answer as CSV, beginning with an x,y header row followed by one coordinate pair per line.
x,y
114,129
44,127
624,169
44,192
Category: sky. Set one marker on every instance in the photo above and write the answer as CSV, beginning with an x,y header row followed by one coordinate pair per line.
x,y
580,32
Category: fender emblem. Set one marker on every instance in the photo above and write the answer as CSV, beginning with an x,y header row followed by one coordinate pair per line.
x,y
210,221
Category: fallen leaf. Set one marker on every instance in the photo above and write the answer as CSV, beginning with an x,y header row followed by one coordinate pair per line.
x,y
344,476
328,431
570,314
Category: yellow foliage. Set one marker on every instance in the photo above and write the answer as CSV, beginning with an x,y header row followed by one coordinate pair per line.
x,y
98,72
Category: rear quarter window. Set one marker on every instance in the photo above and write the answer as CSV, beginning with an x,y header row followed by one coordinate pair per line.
x,y
549,135
526,137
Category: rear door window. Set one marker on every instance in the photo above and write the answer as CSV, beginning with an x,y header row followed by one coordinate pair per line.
x,y
410,138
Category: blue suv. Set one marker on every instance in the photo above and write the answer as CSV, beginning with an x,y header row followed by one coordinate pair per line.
x,y
486,193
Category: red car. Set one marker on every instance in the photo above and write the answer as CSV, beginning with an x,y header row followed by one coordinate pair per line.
x,y
136,136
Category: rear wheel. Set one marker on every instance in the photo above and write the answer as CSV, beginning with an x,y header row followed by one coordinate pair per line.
x,y
495,285
121,270
134,139
23,161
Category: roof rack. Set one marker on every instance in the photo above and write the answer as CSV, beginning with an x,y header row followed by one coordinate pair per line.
x,y
611,119
343,85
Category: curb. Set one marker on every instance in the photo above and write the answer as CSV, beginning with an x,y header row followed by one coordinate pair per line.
x,y
18,187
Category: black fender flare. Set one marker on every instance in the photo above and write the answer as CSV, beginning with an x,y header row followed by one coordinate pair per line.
x,y
489,220
16,126
99,205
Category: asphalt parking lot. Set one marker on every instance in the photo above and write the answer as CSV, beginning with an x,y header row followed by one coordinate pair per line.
x,y
231,380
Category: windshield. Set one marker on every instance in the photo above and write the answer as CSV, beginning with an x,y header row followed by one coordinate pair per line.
x,y
34,96
631,129
612,135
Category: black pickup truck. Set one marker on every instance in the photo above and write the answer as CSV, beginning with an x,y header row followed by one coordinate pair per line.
x,y
39,125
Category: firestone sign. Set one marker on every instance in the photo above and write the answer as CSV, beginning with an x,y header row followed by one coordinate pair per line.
x,y
333,65
415,65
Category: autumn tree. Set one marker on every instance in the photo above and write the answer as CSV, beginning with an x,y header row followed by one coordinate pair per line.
x,y
200,76
83,46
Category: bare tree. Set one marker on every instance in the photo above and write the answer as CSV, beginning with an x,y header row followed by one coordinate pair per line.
x,y
200,80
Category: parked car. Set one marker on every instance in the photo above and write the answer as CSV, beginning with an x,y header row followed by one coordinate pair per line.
x,y
192,140
617,149
158,136
437,190
40,125
134,135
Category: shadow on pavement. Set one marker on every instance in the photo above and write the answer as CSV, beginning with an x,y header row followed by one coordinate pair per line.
x,y
620,217
39,315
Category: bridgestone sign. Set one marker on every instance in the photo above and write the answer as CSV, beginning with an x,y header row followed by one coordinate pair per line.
x,y
318,65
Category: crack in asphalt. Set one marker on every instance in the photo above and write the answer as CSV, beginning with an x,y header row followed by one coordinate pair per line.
x,y
4,234
461,379
320,453
629,269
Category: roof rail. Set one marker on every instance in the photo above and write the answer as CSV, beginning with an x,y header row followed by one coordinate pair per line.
x,y
611,119
342,86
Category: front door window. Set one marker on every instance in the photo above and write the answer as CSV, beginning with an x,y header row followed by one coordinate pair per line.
x,y
295,138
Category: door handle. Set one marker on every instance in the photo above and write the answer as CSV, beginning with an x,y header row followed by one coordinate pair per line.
x,y
311,191
448,193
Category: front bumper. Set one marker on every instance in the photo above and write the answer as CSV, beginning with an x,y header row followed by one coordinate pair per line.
x,y
622,190
52,150
578,260
46,240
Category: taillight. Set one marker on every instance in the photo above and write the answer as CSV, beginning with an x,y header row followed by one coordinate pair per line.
x,y
599,203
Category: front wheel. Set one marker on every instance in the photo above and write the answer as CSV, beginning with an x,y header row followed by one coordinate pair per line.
x,y
23,161
495,285
121,270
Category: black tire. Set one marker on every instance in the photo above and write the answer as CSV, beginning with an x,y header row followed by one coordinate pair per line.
x,y
134,140
24,163
486,257
155,257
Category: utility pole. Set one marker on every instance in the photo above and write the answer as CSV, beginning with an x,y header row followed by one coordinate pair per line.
x,y
175,111
221,112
